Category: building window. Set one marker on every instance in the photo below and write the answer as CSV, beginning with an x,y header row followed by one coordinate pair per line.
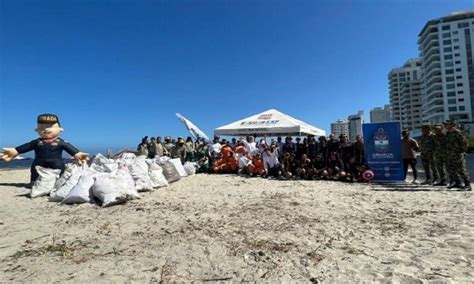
x,y
449,63
459,77
446,41
456,40
456,47
446,28
458,69
455,32
451,94
457,54
451,101
449,71
461,100
459,84
457,62
452,108
445,35
449,86
460,92
449,79
447,49
449,56
462,108
463,25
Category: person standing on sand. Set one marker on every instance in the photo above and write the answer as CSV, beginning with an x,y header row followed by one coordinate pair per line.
x,y
427,154
409,148
152,148
439,154
160,151
457,145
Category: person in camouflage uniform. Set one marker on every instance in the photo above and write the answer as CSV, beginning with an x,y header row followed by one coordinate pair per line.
x,y
168,147
439,156
457,145
426,143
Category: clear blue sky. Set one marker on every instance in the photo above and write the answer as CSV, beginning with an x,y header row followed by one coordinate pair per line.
x,y
115,71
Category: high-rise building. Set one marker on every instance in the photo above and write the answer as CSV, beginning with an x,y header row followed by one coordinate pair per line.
x,y
355,124
446,48
379,114
339,127
405,94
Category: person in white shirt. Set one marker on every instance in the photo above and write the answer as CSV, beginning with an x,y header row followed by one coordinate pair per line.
x,y
250,145
214,151
271,162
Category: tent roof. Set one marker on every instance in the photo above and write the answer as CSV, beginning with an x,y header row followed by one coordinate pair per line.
x,y
269,123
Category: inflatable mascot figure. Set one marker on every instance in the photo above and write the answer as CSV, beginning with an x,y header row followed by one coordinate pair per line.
x,y
48,148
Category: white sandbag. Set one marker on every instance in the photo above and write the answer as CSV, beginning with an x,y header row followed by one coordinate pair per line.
x,y
101,164
190,168
170,172
45,182
81,192
161,160
179,167
139,171
115,188
127,158
73,174
65,176
156,174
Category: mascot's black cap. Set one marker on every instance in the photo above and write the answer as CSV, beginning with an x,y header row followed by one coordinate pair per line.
x,y
48,118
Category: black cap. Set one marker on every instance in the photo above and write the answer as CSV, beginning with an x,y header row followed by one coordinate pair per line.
x,y
449,121
48,118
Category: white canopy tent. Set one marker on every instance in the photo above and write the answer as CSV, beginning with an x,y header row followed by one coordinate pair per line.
x,y
269,123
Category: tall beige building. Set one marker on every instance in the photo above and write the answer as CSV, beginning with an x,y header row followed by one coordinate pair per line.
x,y
405,94
446,48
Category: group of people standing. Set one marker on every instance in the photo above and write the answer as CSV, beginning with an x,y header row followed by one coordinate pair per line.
x,y
442,150
307,158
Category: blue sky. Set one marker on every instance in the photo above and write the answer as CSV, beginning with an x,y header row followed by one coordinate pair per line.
x,y
115,71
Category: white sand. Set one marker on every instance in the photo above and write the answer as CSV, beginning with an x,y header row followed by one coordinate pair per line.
x,y
217,228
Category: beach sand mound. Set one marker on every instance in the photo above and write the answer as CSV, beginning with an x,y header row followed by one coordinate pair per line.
x,y
227,228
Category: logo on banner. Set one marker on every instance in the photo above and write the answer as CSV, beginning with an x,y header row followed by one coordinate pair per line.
x,y
265,116
381,141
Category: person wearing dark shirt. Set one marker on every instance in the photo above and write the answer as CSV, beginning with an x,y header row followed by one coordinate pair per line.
x,y
333,144
319,167
286,166
312,148
335,167
289,147
323,147
345,149
303,165
359,150
48,148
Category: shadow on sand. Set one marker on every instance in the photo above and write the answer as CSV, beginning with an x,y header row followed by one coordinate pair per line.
x,y
406,187
16,184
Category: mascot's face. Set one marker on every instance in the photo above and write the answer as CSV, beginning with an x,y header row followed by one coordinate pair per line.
x,y
49,130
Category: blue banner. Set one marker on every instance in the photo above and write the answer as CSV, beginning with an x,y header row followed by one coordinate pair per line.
x,y
383,150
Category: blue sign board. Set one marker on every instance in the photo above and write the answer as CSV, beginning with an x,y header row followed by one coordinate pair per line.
x,y
383,150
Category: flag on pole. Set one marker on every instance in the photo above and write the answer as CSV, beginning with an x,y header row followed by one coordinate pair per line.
x,y
193,129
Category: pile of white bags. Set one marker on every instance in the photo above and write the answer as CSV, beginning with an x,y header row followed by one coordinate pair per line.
x,y
109,182
45,182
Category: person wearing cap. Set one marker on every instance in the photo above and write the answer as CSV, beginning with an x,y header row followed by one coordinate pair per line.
x,y
426,143
439,154
289,146
457,145
409,148
48,148
179,151
168,146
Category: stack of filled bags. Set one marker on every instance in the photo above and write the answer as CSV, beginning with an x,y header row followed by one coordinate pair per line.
x,y
109,182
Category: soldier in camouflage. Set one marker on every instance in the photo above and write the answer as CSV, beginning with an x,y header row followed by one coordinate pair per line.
x,y
457,145
426,143
439,156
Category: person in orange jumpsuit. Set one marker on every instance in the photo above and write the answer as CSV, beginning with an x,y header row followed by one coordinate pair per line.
x,y
257,167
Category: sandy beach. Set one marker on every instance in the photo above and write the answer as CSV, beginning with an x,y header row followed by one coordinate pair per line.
x,y
227,228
